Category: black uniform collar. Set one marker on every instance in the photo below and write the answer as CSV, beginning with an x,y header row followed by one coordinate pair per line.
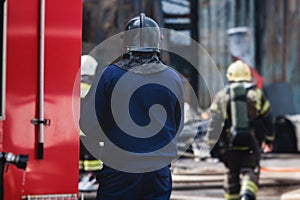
x,y
141,63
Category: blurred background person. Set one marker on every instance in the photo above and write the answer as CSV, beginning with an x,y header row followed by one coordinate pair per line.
x,y
241,114
88,165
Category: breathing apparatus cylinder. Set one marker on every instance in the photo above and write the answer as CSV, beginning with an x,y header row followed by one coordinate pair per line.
x,y
240,130
238,105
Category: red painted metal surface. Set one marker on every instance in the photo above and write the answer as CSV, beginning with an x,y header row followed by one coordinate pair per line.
x,y
57,172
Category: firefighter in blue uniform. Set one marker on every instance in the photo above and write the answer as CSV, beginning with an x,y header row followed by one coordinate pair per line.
x,y
241,113
140,60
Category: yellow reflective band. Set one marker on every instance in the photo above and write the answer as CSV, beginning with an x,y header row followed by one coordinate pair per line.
x,y
232,196
92,162
258,100
91,165
80,164
210,142
270,138
84,89
92,168
240,148
82,133
249,186
265,108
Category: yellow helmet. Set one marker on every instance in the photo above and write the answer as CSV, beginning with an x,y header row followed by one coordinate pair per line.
x,y
238,71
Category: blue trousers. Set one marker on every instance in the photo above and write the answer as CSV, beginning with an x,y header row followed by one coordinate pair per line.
x,y
117,185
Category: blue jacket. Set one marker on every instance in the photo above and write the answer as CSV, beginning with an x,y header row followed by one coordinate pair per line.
x,y
135,117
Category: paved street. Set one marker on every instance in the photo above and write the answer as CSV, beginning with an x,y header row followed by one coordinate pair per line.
x,y
202,180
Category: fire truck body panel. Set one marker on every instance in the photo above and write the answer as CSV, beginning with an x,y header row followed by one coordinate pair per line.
x,y
57,171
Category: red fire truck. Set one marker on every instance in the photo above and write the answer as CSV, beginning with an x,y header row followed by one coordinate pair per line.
x,y
39,97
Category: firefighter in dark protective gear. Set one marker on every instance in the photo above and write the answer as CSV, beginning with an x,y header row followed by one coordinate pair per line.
x,y
241,127
88,165
136,165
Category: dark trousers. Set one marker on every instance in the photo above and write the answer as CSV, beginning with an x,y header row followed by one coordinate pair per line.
x,y
117,185
245,163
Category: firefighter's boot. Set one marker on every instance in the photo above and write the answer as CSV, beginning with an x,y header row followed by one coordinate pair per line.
x,y
247,197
